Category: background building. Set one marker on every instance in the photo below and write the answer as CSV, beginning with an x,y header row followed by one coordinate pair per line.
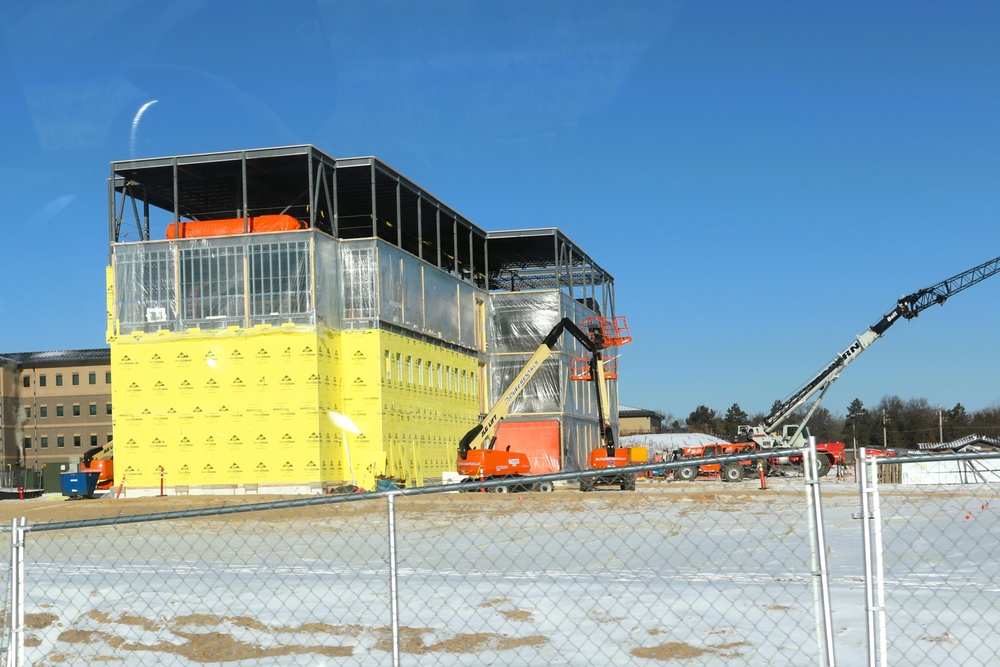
x,y
252,294
56,405
638,420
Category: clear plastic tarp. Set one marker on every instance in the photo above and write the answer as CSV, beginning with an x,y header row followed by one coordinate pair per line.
x,y
287,278
518,323
421,297
213,283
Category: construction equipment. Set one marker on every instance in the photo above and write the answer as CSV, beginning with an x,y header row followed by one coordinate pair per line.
x,y
100,460
96,472
773,432
730,472
477,459
613,333
609,458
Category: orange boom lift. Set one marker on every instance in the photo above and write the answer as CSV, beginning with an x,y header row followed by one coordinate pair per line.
x,y
477,459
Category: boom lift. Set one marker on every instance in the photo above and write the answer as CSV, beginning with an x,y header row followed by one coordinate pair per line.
x,y
100,460
608,457
773,432
477,459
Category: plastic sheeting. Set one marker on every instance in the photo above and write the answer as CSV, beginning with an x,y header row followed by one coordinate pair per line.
x,y
420,297
665,443
291,278
213,283
540,441
518,323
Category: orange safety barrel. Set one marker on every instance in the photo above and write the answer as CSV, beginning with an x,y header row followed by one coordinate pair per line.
x,y
230,226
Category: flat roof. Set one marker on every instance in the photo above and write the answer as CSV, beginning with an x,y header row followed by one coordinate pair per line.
x,y
542,254
55,358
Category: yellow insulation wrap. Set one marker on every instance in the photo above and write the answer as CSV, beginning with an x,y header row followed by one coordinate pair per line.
x,y
225,410
238,407
429,400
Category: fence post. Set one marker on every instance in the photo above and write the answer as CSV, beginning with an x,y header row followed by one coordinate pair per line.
x,y
15,649
867,472
821,575
393,590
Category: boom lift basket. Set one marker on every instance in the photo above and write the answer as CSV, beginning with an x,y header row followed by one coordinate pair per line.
x,y
613,329
579,368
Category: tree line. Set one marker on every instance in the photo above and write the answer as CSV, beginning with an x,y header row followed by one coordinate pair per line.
x,y
892,422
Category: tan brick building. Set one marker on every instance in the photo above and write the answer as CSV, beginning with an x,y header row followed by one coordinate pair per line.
x,y
55,405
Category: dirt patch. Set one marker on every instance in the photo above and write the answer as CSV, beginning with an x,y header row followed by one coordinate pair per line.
x,y
188,639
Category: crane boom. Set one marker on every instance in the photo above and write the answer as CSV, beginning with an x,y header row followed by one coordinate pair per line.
x,y
907,307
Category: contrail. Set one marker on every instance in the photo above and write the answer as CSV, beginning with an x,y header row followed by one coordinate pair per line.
x,y
135,125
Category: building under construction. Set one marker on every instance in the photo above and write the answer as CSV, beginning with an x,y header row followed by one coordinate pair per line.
x,y
253,295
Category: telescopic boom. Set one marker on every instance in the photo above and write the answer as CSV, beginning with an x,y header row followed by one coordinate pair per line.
x,y
907,307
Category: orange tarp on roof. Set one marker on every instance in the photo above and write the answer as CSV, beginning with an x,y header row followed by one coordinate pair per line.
x,y
261,223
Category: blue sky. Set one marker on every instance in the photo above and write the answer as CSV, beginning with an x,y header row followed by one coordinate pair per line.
x,y
763,179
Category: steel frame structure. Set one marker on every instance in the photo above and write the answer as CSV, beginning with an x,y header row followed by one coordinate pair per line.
x,y
347,198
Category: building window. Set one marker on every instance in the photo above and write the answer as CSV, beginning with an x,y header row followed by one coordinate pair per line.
x,y
41,380
388,365
107,407
58,379
45,441
108,439
76,410
93,440
60,441
76,441
93,409
76,379
92,378
27,413
43,411
107,377
59,411
27,380
27,443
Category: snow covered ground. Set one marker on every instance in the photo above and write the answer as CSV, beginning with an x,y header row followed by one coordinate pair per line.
x,y
699,573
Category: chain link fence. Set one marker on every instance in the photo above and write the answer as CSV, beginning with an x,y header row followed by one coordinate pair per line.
x,y
933,549
675,573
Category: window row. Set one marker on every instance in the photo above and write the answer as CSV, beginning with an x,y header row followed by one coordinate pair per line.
x,y
74,379
415,371
43,441
43,410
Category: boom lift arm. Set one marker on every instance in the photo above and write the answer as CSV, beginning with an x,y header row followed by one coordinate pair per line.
x,y
907,307
103,452
483,435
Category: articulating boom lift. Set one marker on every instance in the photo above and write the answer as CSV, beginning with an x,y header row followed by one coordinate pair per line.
x,y
477,459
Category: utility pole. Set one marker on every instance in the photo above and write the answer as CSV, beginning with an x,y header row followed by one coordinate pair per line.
x,y
854,429
940,425
885,436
